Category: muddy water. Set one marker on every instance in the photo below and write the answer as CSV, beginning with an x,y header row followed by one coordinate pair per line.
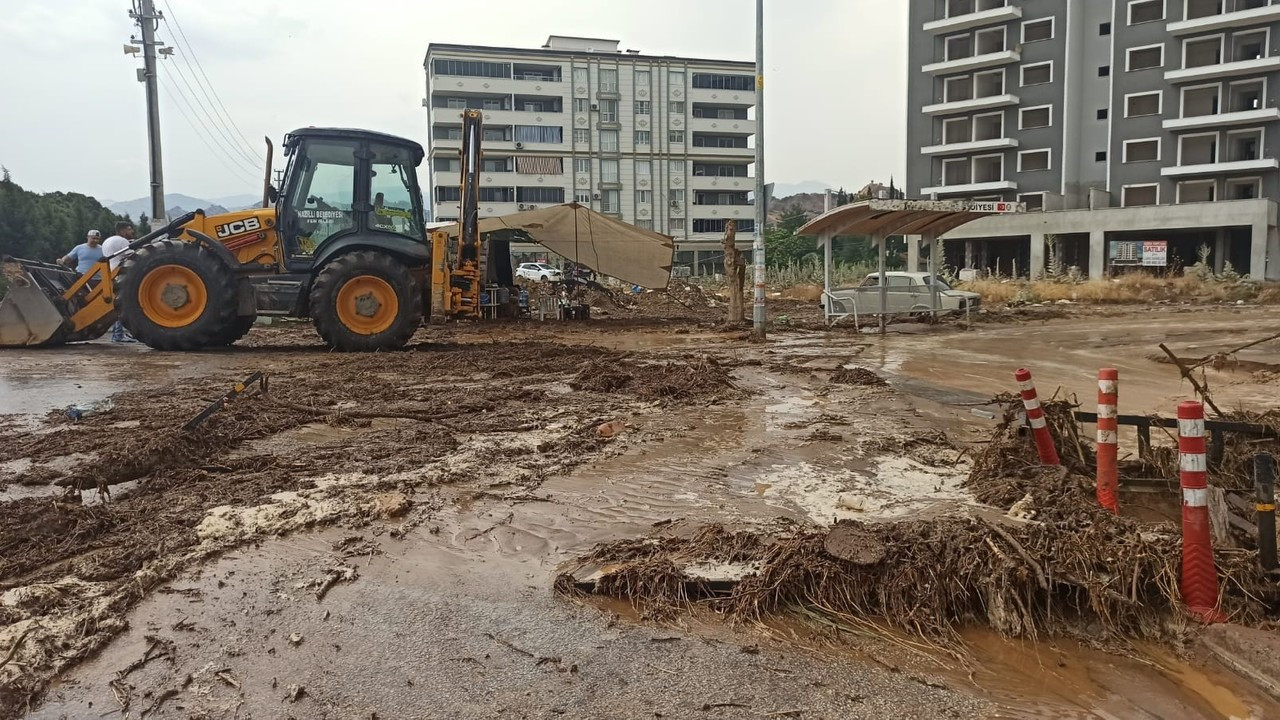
x,y
1066,353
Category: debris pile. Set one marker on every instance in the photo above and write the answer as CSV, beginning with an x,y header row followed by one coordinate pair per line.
x,y
702,380
857,376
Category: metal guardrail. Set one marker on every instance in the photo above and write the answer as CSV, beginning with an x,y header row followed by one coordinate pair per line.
x,y
1217,429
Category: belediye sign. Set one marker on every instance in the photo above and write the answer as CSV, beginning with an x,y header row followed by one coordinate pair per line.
x,y
997,207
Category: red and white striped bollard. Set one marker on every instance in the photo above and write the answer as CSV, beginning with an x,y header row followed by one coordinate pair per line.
x,y
1035,418
1108,440
1199,576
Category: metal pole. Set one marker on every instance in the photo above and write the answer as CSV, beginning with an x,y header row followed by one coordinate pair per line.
x,y
827,239
1264,478
933,241
147,19
884,282
758,312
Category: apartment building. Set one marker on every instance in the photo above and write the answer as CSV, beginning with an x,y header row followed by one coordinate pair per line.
x,y
1117,122
664,143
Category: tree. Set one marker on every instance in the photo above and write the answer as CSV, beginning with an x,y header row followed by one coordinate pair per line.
x,y
45,226
783,246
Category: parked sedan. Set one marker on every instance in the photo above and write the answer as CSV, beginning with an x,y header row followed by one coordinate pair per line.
x,y
908,293
539,272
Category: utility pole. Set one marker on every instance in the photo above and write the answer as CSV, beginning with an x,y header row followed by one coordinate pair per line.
x,y
758,312
144,13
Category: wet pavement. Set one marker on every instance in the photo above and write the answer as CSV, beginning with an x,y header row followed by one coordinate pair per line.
x,y
458,619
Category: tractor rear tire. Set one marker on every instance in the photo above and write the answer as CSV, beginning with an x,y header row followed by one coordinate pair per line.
x,y
237,330
365,301
175,295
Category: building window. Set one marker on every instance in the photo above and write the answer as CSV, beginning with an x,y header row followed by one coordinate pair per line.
x,y
582,197
644,224
675,79
676,197
1249,45
609,141
608,111
1144,11
988,168
471,68
989,126
990,40
1034,201
553,135
644,168
1202,100
455,103
609,171
1193,191
676,167
1243,189
580,76
644,197
448,193
1144,150
957,130
609,202
492,165
642,78
1246,95
1038,74
642,107
581,136
710,81
675,137
1144,58
1243,145
1140,195
1104,70
1102,113
1202,52
1100,156
548,195
1037,117
643,137
1104,28
581,105
497,194
1201,149
582,165
608,80
1033,160
676,108
1143,104
1037,30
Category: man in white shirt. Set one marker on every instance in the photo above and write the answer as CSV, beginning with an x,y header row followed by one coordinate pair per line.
x,y
115,249
115,246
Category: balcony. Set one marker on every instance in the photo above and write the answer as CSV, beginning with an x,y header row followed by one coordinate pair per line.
x,y
973,62
722,183
1228,119
955,107
737,152
487,209
524,117
722,125
1220,21
1257,66
720,96
956,23
1216,168
971,188
739,212
524,85
961,148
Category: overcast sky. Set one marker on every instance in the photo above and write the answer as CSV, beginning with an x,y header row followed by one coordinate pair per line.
x,y
73,116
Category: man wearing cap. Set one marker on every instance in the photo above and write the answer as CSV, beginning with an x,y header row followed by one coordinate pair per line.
x,y
116,249
83,256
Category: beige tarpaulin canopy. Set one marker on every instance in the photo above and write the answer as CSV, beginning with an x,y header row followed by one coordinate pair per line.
x,y
608,246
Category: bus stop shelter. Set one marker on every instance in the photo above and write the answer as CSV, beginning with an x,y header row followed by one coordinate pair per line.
x,y
880,219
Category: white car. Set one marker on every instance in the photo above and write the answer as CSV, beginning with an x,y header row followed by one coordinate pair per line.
x,y
539,272
908,292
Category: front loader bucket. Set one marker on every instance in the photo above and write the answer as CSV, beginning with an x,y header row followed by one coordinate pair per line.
x,y
33,311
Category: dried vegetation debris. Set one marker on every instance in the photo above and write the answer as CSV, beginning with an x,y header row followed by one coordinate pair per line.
x,y
1045,559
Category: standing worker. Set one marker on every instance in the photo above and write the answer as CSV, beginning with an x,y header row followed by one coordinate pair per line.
x,y
83,256
114,249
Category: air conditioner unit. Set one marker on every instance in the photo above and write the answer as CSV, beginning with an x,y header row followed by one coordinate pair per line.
x,y
519,146
595,106
533,207
595,196
675,203
520,206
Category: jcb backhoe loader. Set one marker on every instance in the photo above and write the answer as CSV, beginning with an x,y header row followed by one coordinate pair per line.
x,y
342,241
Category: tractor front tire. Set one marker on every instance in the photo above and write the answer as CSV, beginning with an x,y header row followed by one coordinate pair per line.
x,y
236,330
175,295
365,301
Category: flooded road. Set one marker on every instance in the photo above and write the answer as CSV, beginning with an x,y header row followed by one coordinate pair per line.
x,y
456,618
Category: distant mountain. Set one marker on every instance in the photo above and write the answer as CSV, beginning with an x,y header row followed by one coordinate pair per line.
x,y
184,203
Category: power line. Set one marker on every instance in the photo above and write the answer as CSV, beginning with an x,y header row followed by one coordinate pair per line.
x,y
221,156
190,51
226,143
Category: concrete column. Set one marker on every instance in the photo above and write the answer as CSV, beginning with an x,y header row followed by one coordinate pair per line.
x,y
1036,271
970,256
913,253
1097,254
1272,271
1259,240
1220,247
